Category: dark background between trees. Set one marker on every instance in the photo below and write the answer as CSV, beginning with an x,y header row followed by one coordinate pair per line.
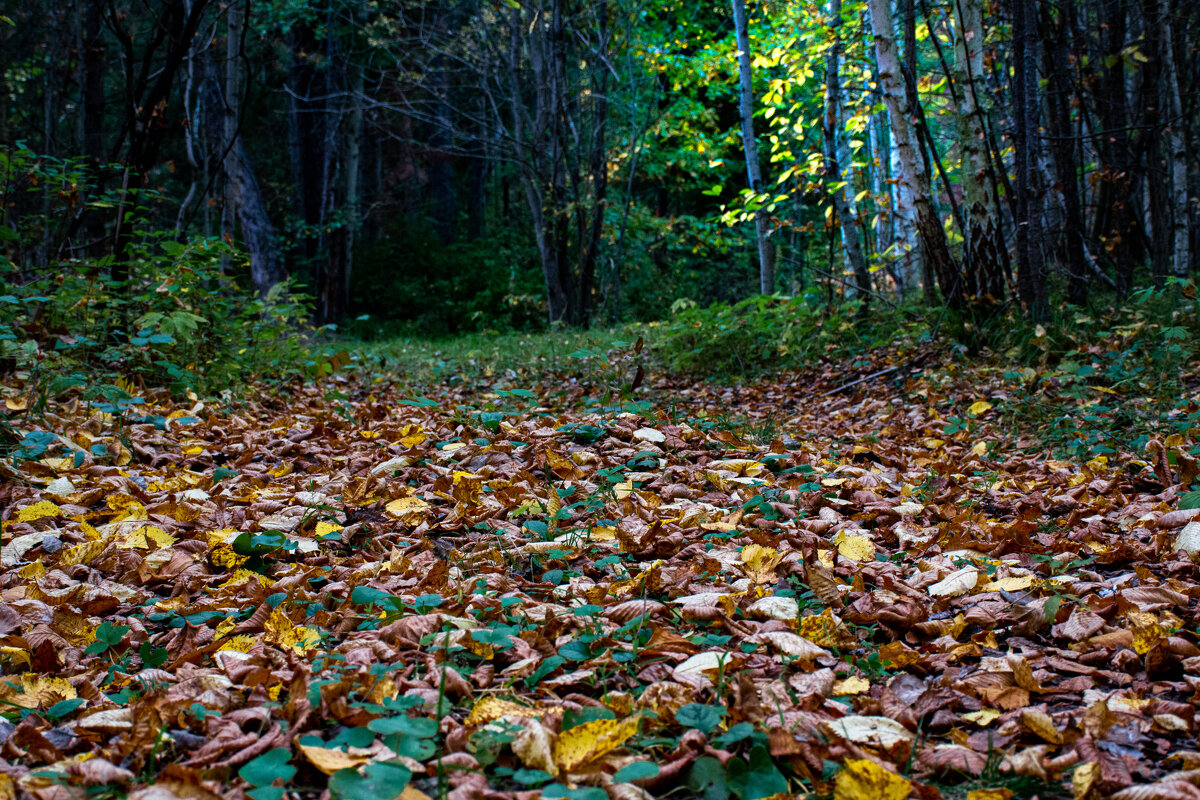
x,y
465,165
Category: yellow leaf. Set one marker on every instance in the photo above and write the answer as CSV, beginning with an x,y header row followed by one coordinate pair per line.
x,y
980,449
979,407
32,572
239,644
760,562
898,654
405,507
1041,724
1146,631
278,629
411,436
329,760
855,548
865,780
15,655
591,740
1084,779
282,470
33,690
82,553
1013,584
16,403
983,717
852,685
742,466
223,556
490,709
242,575
38,511
468,488
826,630
326,528
603,534
990,794
157,535
369,434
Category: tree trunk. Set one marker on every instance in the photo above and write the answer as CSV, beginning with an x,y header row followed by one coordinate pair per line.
x,y
982,240
913,174
766,265
1064,149
1177,156
1031,279
243,194
840,188
146,120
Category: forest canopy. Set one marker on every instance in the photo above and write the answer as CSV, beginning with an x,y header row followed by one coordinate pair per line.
x,y
594,161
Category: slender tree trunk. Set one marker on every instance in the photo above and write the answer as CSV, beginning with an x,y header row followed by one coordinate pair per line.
x,y
146,120
1030,268
246,204
1065,152
766,265
1177,156
913,174
351,170
840,187
982,236
597,168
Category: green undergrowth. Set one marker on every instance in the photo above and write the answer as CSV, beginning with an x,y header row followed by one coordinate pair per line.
x,y
771,333
496,358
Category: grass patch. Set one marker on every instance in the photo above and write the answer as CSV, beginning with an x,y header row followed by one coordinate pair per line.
x,y
494,358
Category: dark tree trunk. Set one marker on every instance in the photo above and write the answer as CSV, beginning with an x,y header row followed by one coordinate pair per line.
x,y
244,193
1031,279
1065,149
146,121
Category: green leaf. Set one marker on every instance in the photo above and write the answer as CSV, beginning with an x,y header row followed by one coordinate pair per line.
x,y
61,709
545,668
638,770
538,526
1189,501
572,718
760,778
258,544
372,596
707,778
380,780
266,793
531,777
270,766
420,727
701,717
412,747
557,790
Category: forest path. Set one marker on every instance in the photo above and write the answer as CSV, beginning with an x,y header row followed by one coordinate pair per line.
x,y
754,589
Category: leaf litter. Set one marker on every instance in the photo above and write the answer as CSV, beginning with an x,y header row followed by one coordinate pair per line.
x,y
358,592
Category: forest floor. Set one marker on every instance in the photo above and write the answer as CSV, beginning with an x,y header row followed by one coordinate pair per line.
x,y
936,582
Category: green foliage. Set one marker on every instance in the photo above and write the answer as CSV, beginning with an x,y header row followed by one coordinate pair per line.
x,y
1093,384
769,332
408,281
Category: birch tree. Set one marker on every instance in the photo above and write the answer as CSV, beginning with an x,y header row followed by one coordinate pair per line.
x,y
913,176
837,153
766,260
982,245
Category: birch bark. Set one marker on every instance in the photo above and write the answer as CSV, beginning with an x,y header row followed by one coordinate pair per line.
x,y
766,265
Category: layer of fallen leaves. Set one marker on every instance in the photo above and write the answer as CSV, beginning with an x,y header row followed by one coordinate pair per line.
x,y
754,591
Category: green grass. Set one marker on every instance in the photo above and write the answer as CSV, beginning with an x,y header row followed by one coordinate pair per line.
x,y
500,358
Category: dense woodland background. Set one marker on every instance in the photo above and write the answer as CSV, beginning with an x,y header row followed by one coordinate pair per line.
x,y
467,165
